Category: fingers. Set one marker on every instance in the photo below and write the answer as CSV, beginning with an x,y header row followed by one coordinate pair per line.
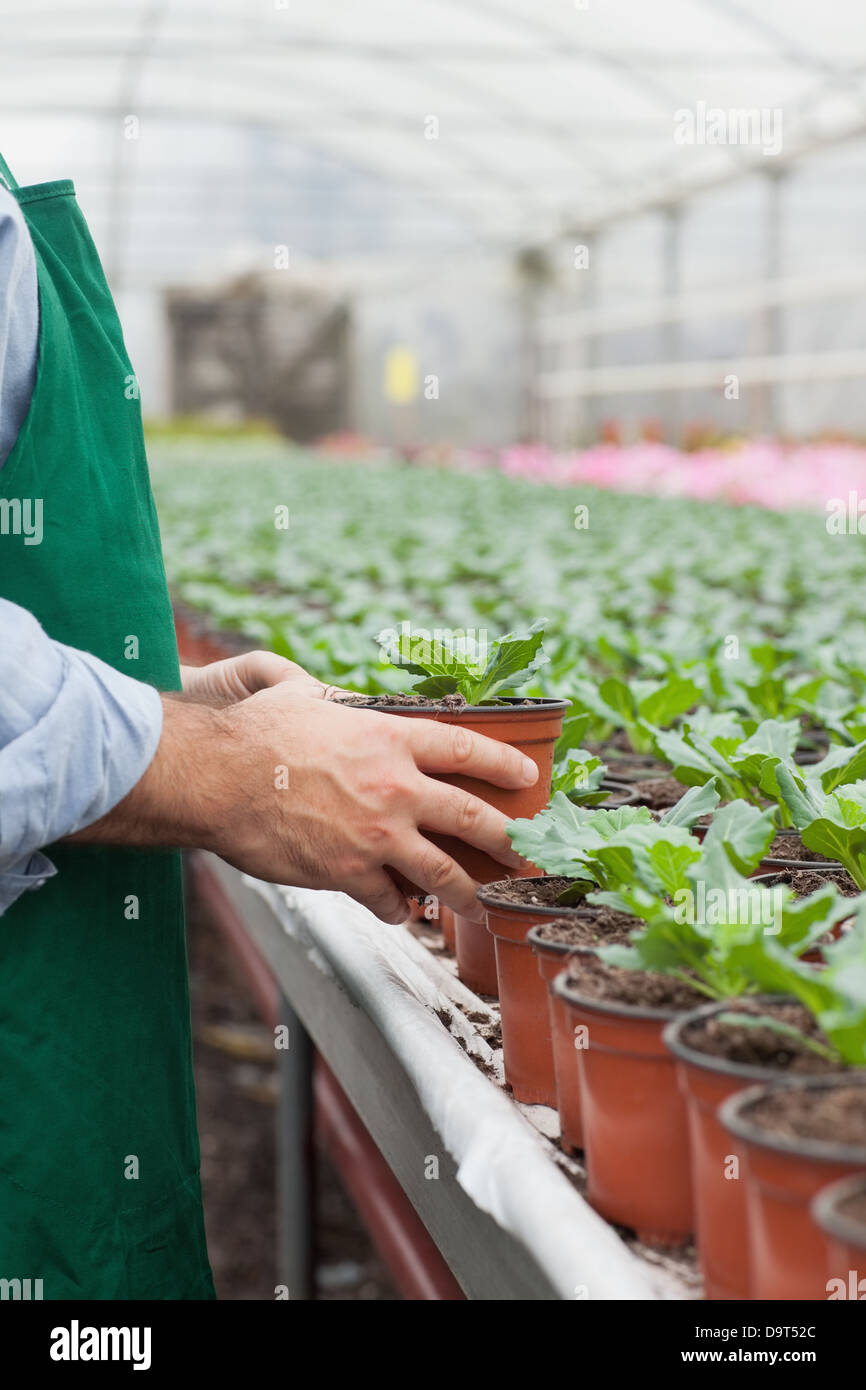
x,y
448,748
265,669
260,670
454,812
380,895
436,872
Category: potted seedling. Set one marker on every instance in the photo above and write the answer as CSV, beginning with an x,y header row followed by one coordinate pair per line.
x,y
618,1007
725,1046
463,681
578,778
796,1135
793,1137
558,840
555,944
741,763
696,904
637,707
830,815
760,768
624,715
840,1211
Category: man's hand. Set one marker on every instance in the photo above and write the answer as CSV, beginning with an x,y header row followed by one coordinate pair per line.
x,y
225,682
316,794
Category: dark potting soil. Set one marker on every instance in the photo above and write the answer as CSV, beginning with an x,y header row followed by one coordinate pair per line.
x,y
658,793
528,892
599,926
836,1115
806,881
639,988
760,1047
448,704
790,846
854,1208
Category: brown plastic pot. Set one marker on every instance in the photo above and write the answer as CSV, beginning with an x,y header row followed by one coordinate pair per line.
x,y
533,729
781,1176
720,1207
526,1044
844,1238
446,922
550,957
633,1114
476,955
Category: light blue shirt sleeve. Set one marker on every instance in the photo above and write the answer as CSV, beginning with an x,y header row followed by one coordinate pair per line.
x,y
75,737
19,321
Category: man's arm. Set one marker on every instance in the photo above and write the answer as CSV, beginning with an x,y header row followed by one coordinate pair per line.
x,y
289,788
312,793
75,736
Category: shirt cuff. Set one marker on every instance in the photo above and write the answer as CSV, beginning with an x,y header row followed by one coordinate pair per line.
x,y
88,734
24,876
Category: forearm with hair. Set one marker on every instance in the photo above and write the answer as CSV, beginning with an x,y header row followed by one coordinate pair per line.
x,y
173,805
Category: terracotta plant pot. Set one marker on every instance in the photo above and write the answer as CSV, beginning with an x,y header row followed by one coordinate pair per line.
x,y
533,729
720,1206
550,958
526,1042
476,956
446,922
844,1236
635,1134
782,1175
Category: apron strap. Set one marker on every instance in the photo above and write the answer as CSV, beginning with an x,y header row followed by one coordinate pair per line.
x,y
6,175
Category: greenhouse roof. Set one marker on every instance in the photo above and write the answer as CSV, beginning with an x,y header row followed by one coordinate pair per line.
x,y
520,120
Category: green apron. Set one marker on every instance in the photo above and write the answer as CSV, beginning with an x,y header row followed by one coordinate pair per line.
x,y
99,1184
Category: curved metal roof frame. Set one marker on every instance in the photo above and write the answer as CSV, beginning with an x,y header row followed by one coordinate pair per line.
x,y
552,117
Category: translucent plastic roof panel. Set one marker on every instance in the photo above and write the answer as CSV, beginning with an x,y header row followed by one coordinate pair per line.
x,y
520,118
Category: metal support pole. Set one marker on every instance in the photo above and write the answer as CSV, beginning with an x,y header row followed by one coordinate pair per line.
x,y
295,1189
592,412
670,328
772,327
529,422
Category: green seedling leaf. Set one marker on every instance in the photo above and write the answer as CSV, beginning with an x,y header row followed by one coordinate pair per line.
x,y
663,705
579,775
696,802
744,832
513,659
451,664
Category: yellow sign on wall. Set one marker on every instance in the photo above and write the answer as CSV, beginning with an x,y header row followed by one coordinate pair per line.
x,y
401,375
